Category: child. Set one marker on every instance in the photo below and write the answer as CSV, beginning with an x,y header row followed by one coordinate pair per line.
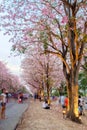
x,y
80,110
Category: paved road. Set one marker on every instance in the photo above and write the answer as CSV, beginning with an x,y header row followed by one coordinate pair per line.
x,y
13,113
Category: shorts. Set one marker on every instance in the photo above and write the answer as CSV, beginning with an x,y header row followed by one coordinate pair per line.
x,y
3,104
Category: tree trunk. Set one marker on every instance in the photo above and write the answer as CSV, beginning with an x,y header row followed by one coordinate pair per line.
x,y
48,93
73,113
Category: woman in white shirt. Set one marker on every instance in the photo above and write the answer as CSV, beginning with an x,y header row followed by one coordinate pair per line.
x,y
3,103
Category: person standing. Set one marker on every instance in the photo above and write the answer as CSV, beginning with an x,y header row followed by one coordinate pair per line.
x,y
62,98
65,108
66,103
3,103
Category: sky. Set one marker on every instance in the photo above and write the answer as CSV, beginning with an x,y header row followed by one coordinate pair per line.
x,y
12,62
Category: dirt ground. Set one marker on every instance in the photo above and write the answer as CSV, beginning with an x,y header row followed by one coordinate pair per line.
x,y
37,118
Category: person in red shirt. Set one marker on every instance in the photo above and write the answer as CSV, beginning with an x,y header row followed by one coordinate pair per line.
x,y
65,109
66,102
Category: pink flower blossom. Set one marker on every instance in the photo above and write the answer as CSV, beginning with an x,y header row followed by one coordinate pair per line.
x,y
64,20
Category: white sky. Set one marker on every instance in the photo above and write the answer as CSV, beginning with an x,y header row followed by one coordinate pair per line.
x,y
13,63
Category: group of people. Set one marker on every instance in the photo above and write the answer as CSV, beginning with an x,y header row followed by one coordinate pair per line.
x,y
3,101
64,103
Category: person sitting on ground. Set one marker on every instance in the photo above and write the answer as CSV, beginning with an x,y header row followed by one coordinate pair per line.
x,y
46,105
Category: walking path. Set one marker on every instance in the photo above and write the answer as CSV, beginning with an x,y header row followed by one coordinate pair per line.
x,y
14,113
37,118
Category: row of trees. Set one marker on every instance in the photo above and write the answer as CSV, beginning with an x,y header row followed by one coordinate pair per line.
x,y
8,80
41,71
60,26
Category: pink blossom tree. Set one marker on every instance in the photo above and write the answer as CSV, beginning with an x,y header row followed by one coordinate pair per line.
x,y
61,25
41,71
8,80
3,75
14,83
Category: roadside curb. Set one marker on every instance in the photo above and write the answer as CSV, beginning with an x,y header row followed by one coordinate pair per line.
x,y
21,118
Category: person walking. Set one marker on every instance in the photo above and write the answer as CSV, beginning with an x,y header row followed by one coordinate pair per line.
x,y
3,103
